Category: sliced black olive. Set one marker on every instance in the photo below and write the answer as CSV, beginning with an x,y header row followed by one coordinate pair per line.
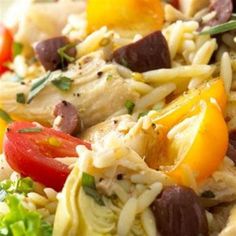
x,y
178,212
147,54
47,53
223,9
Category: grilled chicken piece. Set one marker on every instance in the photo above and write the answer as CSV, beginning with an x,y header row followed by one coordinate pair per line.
x,y
97,92
45,20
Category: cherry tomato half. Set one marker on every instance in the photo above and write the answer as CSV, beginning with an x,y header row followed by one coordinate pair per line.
x,y
6,44
174,3
31,151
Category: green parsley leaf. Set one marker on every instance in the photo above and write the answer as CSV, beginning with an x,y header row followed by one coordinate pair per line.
x,y
208,194
20,221
20,98
24,185
89,187
4,116
63,83
222,28
37,87
17,48
30,130
129,106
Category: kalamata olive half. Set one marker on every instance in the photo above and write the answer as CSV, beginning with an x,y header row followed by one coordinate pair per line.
x,y
223,9
149,53
47,53
67,119
231,152
178,213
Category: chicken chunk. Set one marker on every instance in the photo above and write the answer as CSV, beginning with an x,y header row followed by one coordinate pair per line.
x,y
93,95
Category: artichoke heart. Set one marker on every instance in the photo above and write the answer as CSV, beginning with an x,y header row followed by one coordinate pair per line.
x,y
108,193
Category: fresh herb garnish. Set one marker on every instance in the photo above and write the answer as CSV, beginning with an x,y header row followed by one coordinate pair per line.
x,y
20,221
233,16
63,83
109,77
21,185
38,86
64,55
142,114
89,187
208,194
129,106
20,98
30,130
17,48
4,116
24,185
222,28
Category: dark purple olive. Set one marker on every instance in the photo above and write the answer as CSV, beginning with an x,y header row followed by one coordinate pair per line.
x,y
234,5
178,213
68,121
149,53
47,53
223,9
231,152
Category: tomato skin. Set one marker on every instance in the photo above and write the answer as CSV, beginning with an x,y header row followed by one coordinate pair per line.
x,y
175,3
6,44
30,155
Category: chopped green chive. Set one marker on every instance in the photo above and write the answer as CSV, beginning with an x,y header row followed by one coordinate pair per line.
x,y
37,87
24,185
129,106
233,16
63,83
142,114
17,48
30,130
222,28
89,187
109,77
4,116
63,55
20,98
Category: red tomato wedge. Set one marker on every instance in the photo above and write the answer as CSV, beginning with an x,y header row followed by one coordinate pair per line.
x,y
6,44
31,150
174,3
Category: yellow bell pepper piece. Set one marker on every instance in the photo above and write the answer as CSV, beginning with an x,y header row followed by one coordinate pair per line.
x,y
128,17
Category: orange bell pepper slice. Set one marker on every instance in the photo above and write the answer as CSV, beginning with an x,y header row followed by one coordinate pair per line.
x,y
128,17
197,145
174,112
